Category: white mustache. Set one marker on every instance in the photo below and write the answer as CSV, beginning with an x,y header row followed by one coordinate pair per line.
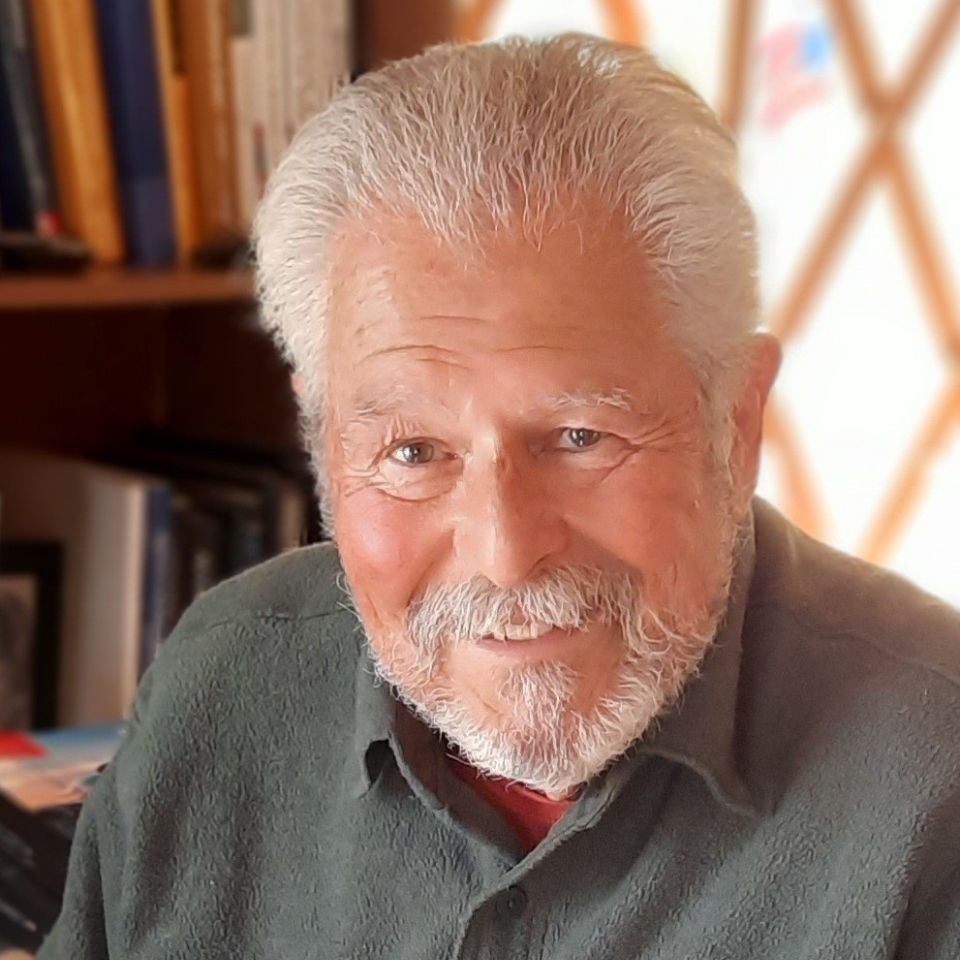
x,y
569,598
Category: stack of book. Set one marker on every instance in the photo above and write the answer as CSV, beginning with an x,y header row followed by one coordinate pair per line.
x,y
134,541
44,779
147,128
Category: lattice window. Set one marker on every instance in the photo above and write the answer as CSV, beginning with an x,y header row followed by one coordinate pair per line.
x,y
851,156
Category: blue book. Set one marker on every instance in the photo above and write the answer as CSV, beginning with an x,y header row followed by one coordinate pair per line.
x,y
125,30
27,193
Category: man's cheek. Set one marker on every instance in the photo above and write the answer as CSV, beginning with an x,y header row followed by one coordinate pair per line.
x,y
383,550
638,515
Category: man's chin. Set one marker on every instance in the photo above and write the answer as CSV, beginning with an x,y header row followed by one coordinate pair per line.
x,y
545,723
553,733
536,736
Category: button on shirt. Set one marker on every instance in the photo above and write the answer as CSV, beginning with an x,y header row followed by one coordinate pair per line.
x,y
273,800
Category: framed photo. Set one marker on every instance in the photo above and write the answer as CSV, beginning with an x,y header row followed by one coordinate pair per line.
x,y
30,608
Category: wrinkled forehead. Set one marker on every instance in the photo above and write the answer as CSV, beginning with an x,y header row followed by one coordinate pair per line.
x,y
584,289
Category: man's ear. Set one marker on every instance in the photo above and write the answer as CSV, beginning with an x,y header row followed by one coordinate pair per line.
x,y
296,382
765,357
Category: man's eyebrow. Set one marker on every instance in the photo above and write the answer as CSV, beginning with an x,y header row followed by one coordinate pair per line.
x,y
368,408
577,399
373,408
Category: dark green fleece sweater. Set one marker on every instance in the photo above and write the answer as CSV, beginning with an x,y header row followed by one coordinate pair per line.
x,y
272,801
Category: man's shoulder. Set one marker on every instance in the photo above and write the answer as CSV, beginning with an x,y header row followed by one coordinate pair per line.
x,y
297,585
836,602
258,679
851,680
282,630
853,668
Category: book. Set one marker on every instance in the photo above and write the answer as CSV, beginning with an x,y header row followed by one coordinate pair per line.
x,y
28,198
269,104
289,58
102,516
233,507
175,99
71,82
305,62
33,867
242,56
295,84
333,59
218,531
125,30
206,47
283,483
281,505
31,579
10,952
157,572
315,60
198,537
238,512
44,779
55,767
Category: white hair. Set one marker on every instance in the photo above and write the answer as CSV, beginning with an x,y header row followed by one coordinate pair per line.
x,y
471,137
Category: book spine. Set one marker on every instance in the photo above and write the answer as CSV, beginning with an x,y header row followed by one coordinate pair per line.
x,y
27,194
317,57
133,98
269,69
72,85
175,97
245,541
304,47
332,62
157,570
206,26
293,43
244,86
341,39
29,885
198,548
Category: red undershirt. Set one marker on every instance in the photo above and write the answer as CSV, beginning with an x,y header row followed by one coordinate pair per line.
x,y
531,814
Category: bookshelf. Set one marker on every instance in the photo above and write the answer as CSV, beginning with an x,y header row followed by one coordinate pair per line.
x,y
87,359
125,289
98,365
82,376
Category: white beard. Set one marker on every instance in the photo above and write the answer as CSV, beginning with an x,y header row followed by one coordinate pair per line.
x,y
548,745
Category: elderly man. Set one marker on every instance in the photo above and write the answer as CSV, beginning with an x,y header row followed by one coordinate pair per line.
x,y
564,688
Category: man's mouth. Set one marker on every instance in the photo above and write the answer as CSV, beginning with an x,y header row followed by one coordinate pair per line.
x,y
530,640
526,631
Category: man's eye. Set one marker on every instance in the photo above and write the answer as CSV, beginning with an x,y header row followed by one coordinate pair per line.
x,y
580,438
414,453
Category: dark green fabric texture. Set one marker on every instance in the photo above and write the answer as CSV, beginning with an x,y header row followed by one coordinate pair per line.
x,y
272,801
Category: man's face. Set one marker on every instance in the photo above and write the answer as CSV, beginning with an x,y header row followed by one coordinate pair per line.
x,y
533,526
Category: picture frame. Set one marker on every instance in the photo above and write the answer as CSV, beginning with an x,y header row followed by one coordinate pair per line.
x,y
31,585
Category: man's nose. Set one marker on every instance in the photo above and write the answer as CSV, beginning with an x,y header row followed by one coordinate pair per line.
x,y
509,525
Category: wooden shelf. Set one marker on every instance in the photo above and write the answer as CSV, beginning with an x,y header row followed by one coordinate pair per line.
x,y
119,288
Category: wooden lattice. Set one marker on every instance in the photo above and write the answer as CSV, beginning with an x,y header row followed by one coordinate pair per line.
x,y
623,19
881,157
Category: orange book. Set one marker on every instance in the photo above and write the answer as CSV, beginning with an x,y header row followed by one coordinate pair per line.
x,y
175,93
71,79
206,46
